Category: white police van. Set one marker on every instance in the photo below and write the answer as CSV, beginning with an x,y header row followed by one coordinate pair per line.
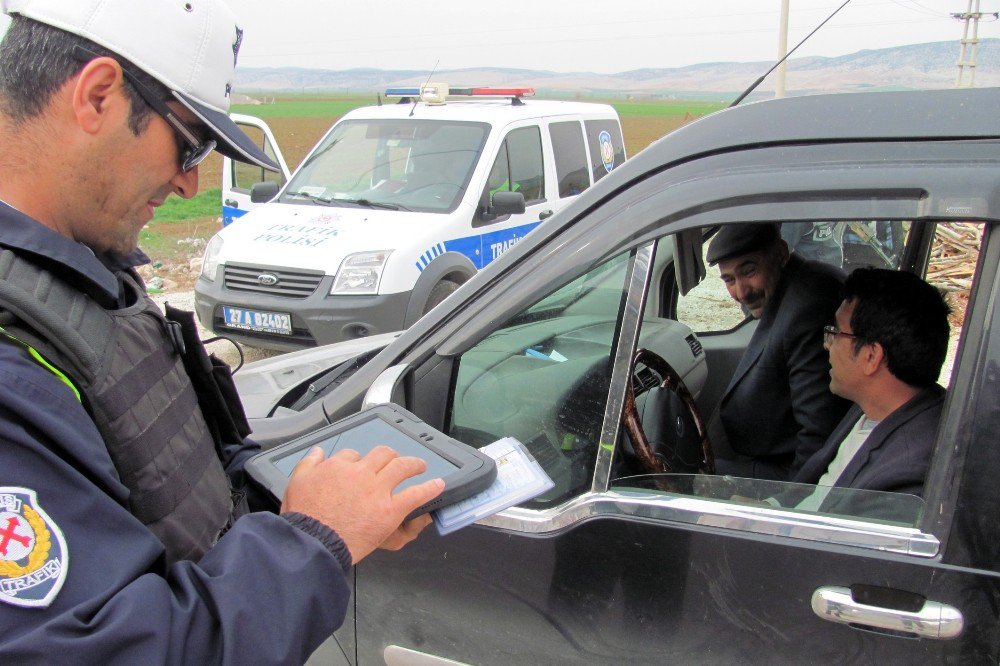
x,y
393,209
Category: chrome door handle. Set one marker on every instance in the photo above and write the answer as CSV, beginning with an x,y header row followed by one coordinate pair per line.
x,y
934,620
545,214
232,202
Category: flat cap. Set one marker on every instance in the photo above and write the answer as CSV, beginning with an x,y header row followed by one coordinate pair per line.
x,y
736,239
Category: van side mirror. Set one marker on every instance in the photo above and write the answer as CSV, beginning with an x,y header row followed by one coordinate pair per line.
x,y
507,203
263,192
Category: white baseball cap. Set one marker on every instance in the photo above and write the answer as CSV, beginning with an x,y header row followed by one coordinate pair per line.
x,y
190,46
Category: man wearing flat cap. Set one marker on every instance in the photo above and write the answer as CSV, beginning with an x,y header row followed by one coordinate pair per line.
x,y
777,410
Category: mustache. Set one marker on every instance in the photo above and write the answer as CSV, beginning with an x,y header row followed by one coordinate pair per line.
x,y
752,297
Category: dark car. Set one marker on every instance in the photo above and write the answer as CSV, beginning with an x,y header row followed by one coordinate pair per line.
x,y
615,565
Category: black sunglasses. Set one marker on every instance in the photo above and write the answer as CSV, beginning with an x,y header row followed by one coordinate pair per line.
x,y
197,149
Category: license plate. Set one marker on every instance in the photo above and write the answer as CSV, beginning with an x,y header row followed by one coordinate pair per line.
x,y
256,320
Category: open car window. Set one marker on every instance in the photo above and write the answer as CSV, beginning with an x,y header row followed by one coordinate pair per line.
x,y
543,377
885,244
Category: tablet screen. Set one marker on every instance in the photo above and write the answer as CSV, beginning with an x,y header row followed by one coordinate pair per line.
x,y
363,438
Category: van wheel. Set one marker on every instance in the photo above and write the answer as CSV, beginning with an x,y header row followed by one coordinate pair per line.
x,y
441,291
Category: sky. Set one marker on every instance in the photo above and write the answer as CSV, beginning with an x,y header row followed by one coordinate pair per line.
x,y
577,35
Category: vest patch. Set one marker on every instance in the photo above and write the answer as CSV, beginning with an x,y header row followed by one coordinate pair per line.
x,y
33,554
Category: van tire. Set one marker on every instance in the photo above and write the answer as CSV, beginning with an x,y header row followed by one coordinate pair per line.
x,y
439,292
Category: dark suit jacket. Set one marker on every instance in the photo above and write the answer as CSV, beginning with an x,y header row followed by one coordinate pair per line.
x,y
897,453
778,409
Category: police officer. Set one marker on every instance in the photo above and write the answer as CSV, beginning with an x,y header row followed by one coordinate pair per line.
x,y
120,538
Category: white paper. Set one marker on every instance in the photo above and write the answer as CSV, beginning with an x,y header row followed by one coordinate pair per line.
x,y
519,478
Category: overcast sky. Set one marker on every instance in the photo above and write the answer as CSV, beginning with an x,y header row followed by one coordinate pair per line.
x,y
577,35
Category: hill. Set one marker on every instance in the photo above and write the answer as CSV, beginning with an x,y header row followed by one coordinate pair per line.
x,y
915,66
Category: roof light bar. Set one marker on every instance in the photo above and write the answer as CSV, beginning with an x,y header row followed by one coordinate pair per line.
x,y
434,90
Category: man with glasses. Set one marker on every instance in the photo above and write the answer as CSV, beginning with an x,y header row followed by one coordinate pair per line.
x,y
886,348
123,537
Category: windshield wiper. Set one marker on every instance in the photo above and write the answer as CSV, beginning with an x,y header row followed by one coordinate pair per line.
x,y
368,203
328,201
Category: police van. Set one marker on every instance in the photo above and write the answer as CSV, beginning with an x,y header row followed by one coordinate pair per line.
x,y
394,208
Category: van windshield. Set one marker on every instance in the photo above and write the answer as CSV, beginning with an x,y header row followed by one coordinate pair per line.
x,y
393,164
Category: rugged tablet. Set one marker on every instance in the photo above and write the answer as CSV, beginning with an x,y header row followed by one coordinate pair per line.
x,y
464,469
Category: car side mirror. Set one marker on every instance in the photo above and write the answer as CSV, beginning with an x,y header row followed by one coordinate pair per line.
x,y
263,192
507,203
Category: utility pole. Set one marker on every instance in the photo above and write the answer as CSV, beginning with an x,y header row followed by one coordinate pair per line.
x,y
967,54
779,80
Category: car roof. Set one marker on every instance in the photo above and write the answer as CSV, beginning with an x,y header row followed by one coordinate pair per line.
x,y
484,110
844,117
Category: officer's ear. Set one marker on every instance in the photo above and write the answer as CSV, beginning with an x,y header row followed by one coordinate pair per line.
x,y
97,94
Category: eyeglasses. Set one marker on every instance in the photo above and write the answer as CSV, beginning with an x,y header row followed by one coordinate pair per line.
x,y
830,332
197,148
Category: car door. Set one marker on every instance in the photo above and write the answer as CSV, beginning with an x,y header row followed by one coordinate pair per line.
x,y
614,568
238,178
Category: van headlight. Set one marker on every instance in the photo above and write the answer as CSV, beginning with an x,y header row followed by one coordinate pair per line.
x,y
211,261
360,273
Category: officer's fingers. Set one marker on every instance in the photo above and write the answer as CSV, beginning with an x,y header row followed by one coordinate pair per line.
x,y
347,455
399,469
408,499
406,533
313,458
378,457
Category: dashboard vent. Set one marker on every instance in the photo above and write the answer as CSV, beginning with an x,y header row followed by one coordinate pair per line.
x,y
695,345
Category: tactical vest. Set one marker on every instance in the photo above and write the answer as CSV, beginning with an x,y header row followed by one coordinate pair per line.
x,y
133,383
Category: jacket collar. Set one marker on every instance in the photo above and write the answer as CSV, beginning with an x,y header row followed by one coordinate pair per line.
x,y
94,274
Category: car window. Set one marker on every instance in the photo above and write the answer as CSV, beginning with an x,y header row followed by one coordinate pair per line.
x,y
571,157
543,377
408,164
246,175
954,256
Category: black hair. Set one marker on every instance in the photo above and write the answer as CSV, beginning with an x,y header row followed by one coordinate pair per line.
x,y
36,59
906,316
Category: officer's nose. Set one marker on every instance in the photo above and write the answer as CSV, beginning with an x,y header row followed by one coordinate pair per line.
x,y
185,183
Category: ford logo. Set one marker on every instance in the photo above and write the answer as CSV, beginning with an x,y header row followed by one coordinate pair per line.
x,y
267,279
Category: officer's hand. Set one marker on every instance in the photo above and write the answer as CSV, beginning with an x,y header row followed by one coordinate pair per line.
x,y
354,496
406,533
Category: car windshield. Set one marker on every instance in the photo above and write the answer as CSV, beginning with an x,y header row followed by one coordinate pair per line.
x,y
404,164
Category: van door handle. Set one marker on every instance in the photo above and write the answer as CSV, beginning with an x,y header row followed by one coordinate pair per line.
x,y
934,620
232,203
544,214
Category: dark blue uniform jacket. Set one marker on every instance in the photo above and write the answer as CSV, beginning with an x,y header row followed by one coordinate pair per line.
x,y
268,592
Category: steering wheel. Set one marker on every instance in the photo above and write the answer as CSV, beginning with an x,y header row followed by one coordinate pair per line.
x,y
651,460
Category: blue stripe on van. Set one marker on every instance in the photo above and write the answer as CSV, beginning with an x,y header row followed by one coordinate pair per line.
x,y
480,249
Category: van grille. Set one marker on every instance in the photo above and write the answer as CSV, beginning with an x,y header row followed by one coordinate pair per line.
x,y
290,283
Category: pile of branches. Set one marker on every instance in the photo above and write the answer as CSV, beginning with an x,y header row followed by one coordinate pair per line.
x,y
953,258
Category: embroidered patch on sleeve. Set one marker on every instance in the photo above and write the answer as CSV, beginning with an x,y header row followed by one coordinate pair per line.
x,y
33,554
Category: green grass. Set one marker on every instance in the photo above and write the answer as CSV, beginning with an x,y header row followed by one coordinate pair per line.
x,y
303,108
310,107
666,108
204,204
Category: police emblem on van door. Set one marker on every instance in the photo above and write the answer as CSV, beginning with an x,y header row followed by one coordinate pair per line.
x,y
267,279
33,554
607,150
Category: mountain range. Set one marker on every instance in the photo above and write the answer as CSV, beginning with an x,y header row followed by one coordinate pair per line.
x,y
915,66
